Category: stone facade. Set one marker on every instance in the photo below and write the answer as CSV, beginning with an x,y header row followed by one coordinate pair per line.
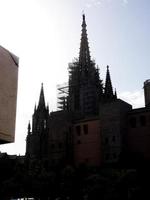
x,y
8,95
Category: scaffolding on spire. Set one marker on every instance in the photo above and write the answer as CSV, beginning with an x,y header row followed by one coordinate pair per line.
x,y
62,96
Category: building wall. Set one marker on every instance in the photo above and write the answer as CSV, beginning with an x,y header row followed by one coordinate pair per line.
x,y
138,137
8,95
87,142
59,138
113,116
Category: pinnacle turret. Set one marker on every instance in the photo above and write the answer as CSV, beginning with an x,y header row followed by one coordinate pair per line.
x,y
115,94
108,92
42,98
29,128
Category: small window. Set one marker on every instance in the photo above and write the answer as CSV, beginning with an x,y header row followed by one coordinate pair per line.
x,y
133,122
38,127
143,120
44,124
85,129
78,130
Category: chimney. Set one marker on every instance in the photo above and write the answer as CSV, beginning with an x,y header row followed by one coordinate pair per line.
x,y
147,92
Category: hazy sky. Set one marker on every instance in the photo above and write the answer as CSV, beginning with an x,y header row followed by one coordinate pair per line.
x,y
45,35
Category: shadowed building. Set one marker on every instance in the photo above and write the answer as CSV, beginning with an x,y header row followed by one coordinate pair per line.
x,y
92,124
37,139
138,135
8,95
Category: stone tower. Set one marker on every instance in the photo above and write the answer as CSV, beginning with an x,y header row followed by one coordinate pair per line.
x,y
37,138
85,86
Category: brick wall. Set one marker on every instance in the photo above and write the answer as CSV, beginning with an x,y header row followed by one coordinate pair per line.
x,y
87,142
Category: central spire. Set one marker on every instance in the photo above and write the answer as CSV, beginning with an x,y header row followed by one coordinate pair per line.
x,y
84,55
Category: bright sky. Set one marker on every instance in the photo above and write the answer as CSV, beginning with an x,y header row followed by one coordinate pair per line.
x,y
45,35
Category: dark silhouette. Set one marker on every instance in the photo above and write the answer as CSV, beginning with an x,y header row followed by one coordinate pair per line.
x,y
94,147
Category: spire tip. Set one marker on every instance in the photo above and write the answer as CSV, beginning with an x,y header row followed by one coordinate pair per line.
x,y
83,21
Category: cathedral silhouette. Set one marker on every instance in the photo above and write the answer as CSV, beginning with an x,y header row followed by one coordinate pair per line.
x,y
92,125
